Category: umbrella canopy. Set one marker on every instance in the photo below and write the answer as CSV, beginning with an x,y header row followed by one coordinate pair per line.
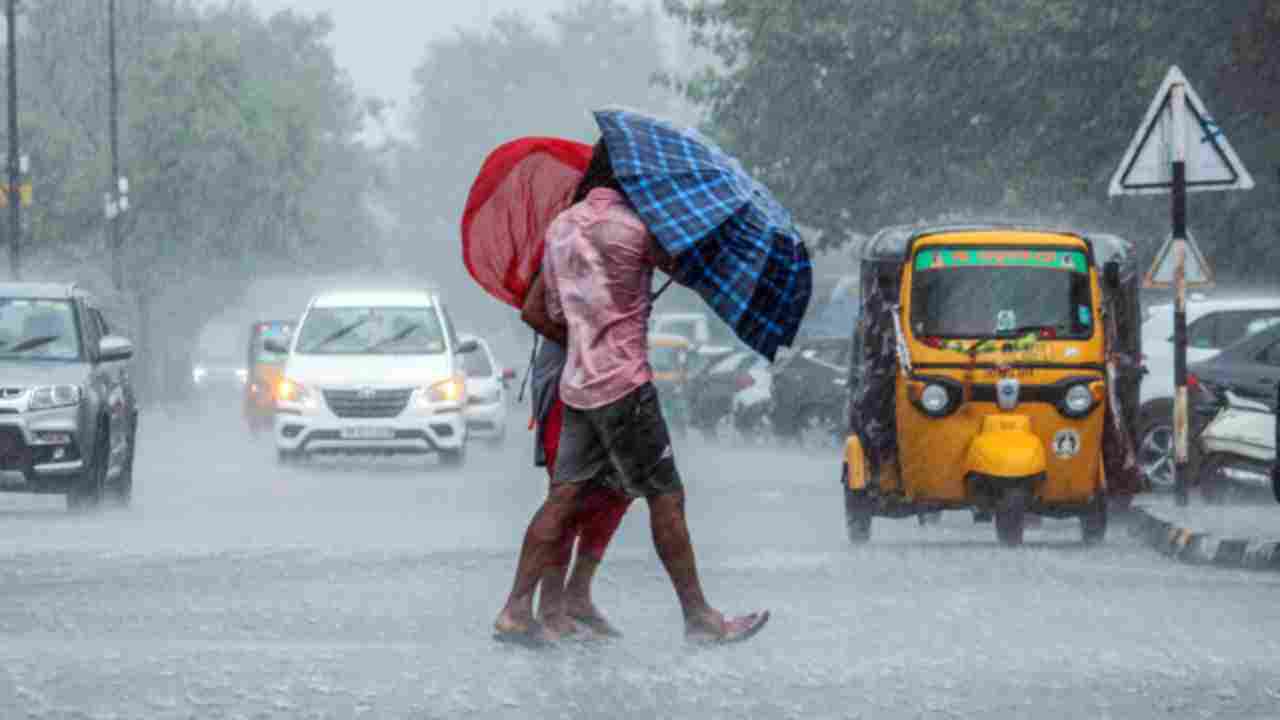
x,y
522,186
735,244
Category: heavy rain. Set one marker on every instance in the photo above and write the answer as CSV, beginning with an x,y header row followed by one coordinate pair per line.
x,y
639,358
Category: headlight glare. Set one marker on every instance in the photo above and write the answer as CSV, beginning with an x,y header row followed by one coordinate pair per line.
x,y
453,390
294,393
47,397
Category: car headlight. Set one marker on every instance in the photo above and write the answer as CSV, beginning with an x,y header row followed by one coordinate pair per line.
x,y
453,390
935,400
292,392
47,397
198,374
1078,401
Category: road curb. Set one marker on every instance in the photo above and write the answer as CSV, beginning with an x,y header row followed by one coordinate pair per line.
x,y
1196,548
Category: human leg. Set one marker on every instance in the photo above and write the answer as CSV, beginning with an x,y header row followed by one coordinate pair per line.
x,y
636,436
603,510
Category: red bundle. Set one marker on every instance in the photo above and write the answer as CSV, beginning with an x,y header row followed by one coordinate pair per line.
x,y
522,186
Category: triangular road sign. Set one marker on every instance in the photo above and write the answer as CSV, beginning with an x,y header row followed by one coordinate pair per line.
x,y
1212,164
1197,272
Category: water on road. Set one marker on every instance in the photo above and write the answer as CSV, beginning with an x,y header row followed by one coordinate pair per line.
x,y
237,589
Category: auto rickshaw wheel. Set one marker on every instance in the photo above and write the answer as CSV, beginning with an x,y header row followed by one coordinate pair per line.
x,y
1011,517
858,512
1093,523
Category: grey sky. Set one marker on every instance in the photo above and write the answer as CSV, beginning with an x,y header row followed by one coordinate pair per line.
x,y
380,41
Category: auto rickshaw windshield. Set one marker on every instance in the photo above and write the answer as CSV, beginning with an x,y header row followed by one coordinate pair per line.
x,y
1006,292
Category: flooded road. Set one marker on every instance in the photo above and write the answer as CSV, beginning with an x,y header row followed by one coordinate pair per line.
x,y
236,589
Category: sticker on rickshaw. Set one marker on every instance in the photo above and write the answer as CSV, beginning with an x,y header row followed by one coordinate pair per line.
x,y
948,258
1066,444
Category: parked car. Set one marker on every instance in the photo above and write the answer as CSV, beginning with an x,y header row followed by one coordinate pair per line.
x,y
68,415
487,386
753,403
374,373
811,393
1239,451
1238,445
1211,326
711,393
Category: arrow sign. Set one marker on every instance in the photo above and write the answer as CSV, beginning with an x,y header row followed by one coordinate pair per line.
x,y
1196,268
1212,164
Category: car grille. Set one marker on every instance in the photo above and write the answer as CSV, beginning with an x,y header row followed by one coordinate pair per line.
x,y
367,403
14,453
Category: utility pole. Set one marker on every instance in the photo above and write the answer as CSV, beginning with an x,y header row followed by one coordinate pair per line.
x,y
113,215
14,189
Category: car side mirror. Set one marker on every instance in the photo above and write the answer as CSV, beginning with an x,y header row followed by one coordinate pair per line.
x,y
466,347
113,348
274,345
1111,275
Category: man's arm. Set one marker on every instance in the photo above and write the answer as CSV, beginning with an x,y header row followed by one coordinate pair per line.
x,y
661,259
536,314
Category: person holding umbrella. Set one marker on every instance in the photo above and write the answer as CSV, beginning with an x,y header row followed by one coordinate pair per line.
x,y
598,271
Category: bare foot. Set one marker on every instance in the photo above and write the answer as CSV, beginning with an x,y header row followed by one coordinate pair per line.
x,y
559,624
585,612
714,628
510,624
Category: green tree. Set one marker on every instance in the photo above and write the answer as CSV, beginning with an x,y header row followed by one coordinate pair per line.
x,y
864,113
481,88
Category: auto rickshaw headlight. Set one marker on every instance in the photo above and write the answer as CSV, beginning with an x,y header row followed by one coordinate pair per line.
x,y
1078,401
935,400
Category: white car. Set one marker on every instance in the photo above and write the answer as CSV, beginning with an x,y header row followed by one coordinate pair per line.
x,y
375,373
1212,325
486,410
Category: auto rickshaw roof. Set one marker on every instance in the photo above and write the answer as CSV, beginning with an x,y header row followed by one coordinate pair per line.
x,y
893,244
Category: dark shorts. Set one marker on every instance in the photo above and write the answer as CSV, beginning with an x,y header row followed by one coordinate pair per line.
x,y
623,445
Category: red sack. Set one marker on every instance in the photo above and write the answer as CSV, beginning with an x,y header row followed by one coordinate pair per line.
x,y
522,186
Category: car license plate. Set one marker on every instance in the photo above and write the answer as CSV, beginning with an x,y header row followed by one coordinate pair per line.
x,y
368,433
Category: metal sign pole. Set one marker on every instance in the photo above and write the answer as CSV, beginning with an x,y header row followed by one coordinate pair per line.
x,y
1179,194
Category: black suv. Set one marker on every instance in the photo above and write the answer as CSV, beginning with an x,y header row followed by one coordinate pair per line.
x,y
68,418
811,393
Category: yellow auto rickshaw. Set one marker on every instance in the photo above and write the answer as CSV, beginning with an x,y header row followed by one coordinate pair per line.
x,y
265,371
996,370
669,357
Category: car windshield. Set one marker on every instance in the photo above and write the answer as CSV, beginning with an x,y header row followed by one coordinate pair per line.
x,y
278,332
38,329
1007,292
371,331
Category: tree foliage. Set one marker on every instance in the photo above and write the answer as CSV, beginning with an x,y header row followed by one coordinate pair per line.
x,y
864,113
239,136
516,77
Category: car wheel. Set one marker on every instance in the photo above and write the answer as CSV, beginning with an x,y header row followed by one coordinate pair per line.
x,y
87,491
120,493
1155,444
858,514
1093,523
1011,517
818,430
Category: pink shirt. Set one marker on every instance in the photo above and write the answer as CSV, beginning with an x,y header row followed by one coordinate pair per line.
x,y
599,271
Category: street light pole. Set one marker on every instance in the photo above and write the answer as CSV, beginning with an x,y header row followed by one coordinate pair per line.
x,y
117,263
14,190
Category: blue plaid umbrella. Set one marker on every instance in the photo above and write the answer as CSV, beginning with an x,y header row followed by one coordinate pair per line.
x,y
735,244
